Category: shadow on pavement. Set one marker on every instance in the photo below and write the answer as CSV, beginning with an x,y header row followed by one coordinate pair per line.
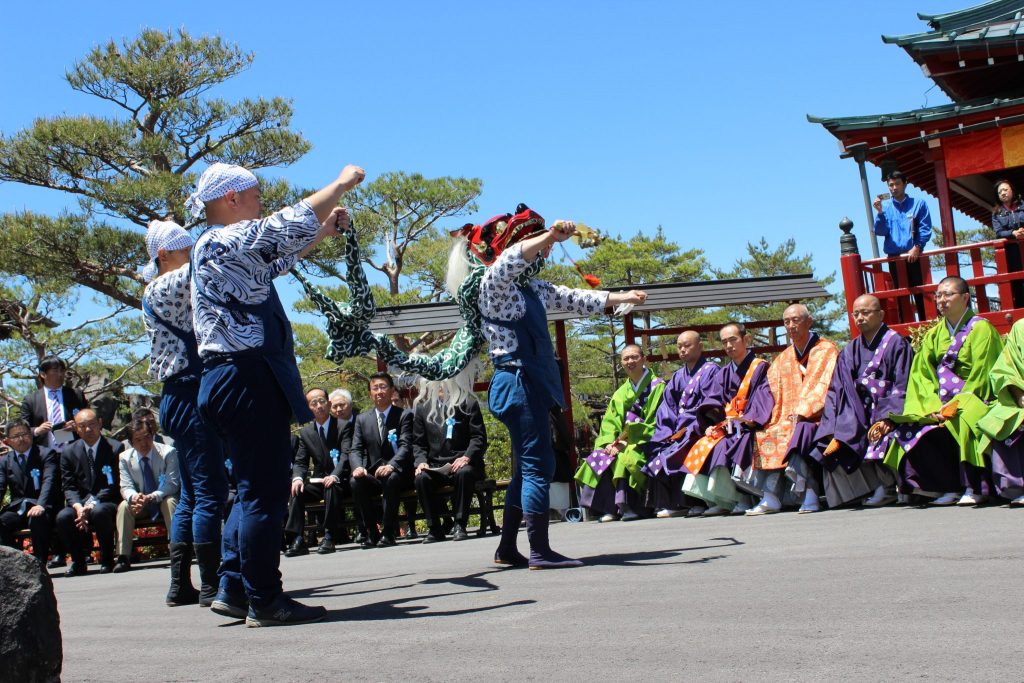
x,y
646,557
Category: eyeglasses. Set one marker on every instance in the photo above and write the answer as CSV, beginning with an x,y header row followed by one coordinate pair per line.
x,y
318,402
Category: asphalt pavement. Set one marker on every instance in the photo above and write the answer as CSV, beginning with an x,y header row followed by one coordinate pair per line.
x,y
864,595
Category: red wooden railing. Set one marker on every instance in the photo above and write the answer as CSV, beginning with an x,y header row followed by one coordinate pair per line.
x,y
872,276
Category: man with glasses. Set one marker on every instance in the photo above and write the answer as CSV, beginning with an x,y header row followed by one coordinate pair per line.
x,y
89,471
937,450
31,473
870,382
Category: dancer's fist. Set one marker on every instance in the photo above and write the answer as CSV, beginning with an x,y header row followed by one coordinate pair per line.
x,y
351,176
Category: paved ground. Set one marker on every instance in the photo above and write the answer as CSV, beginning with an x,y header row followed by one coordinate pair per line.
x,y
848,595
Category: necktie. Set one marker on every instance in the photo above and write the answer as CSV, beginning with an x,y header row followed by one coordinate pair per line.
x,y
323,433
56,411
22,458
148,482
380,426
92,466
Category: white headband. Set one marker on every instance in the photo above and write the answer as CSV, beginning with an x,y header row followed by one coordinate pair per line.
x,y
166,235
215,182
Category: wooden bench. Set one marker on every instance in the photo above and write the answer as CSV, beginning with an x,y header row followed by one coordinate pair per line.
x,y
484,497
139,541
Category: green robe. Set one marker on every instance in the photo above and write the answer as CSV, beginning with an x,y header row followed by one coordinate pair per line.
x,y
1005,417
973,365
630,459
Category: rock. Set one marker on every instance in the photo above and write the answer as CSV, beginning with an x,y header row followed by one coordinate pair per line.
x,y
30,643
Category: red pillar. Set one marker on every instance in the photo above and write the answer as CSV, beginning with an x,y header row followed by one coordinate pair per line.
x,y
945,209
853,285
562,348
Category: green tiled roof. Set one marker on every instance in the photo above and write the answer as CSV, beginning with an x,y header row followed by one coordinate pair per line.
x,y
943,111
991,21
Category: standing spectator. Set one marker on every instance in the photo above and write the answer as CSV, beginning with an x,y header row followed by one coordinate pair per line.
x,y
1008,223
149,487
89,472
906,225
52,407
32,474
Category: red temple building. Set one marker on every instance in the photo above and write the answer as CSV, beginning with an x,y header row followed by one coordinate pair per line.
x,y
954,152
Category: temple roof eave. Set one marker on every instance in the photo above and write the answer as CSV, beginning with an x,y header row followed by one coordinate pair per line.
x,y
913,117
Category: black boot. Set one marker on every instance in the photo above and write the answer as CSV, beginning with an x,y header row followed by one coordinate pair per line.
x,y
507,552
181,592
541,554
208,559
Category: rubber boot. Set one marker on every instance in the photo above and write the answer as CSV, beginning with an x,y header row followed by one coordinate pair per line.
x,y
181,592
541,554
508,552
208,559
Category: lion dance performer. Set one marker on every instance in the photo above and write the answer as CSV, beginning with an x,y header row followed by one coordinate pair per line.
x,y
491,274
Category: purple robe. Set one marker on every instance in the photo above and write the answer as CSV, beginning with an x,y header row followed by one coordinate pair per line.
x,y
859,396
737,449
679,410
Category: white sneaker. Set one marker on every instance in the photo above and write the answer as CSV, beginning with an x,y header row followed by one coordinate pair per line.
x,y
1017,502
947,499
608,518
715,511
665,513
968,498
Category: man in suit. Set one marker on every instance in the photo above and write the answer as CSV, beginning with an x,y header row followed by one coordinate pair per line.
x,y
53,406
89,472
448,446
32,474
343,410
324,442
381,460
150,482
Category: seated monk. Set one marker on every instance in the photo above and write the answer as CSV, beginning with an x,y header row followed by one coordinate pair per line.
x,y
737,404
938,451
611,476
799,378
678,425
870,382
1005,418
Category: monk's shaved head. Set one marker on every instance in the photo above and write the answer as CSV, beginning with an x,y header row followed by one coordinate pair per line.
x,y
794,310
690,347
867,301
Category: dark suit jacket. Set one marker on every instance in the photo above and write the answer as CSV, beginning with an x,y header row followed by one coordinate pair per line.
x,y
79,482
469,437
19,480
33,408
312,448
370,452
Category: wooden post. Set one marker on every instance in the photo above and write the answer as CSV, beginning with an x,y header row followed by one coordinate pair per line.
x,y
945,210
853,279
562,347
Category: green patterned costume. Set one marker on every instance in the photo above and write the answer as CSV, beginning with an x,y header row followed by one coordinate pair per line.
x,y
348,324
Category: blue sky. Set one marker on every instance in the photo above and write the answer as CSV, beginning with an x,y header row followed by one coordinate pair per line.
x,y
623,115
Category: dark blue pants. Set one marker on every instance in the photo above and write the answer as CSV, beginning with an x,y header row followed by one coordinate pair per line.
x,y
204,484
524,410
244,402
